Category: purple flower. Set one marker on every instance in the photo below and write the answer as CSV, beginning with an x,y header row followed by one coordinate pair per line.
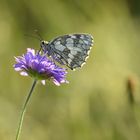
x,y
40,67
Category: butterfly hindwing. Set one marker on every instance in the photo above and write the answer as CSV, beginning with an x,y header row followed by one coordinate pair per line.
x,y
71,50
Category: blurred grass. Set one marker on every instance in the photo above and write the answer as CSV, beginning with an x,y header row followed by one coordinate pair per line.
x,y
95,104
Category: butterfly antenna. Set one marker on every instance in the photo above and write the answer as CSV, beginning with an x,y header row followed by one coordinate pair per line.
x,y
35,37
38,34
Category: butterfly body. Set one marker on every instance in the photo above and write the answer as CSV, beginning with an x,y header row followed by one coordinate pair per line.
x,y
71,50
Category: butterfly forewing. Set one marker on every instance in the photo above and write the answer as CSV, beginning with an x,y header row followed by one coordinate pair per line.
x,y
71,50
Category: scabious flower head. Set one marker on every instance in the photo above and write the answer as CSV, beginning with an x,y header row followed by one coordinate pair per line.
x,y
40,67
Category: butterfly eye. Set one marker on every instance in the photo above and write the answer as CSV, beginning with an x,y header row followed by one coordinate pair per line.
x,y
43,43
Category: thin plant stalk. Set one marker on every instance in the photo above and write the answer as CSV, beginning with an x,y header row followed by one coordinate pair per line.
x,y
24,110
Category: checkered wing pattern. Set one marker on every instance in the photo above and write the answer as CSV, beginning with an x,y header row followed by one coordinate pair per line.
x,y
71,50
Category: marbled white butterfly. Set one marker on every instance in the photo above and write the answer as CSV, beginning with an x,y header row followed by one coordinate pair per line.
x,y
71,50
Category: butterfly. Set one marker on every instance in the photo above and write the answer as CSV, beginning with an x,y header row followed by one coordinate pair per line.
x,y
71,50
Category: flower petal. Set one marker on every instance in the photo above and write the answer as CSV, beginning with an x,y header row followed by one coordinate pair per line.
x,y
43,82
24,73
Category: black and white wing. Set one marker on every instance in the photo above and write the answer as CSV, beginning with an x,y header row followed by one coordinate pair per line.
x,y
71,50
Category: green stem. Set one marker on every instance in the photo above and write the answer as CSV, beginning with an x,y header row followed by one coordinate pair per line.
x,y
24,110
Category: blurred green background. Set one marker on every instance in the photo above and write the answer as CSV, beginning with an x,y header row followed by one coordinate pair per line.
x,y
96,104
